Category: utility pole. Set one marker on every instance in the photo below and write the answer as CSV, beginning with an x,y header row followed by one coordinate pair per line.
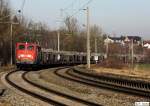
x,y
58,44
88,39
11,38
58,36
58,41
58,32
11,43
132,54
96,57
106,45
95,44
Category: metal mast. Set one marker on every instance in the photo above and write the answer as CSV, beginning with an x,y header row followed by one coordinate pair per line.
x,y
88,39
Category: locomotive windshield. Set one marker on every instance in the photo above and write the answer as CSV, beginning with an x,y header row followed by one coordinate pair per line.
x,y
30,47
21,47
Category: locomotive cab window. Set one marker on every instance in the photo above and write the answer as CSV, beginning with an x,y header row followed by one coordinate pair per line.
x,y
21,47
30,47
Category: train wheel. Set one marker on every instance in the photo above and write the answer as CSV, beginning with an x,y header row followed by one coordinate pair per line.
x,y
19,67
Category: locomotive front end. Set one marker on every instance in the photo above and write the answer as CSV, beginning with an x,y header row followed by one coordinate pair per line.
x,y
25,54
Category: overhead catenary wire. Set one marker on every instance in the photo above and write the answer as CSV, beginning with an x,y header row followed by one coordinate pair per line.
x,y
81,8
22,6
70,5
21,9
63,10
78,10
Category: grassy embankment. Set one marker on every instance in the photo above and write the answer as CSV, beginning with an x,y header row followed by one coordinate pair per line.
x,y
145,67
140,70
7,68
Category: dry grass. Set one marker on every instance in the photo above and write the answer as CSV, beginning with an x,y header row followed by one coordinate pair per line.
x,y
136,72
5,104
6,68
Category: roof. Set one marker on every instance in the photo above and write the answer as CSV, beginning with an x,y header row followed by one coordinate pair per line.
x,y
137,38
28,43
146,41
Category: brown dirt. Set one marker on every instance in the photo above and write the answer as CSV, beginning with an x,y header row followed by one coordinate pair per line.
x,y
7,68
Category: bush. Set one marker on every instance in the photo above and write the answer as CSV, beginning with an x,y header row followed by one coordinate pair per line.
x,y
113,62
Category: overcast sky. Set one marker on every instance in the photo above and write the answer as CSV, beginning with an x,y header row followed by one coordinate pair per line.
x,y
116,17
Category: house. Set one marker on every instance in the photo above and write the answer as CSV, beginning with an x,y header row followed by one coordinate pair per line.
x,y
124,39
146,44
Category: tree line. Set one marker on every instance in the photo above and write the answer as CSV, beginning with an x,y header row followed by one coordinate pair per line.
x,y
72,37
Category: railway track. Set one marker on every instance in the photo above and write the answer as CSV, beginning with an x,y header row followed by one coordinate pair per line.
x,y
35,95
117,84
73,98
46,99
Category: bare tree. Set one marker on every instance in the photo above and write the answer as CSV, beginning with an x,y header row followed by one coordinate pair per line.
x,y
71,24
96,38
5,15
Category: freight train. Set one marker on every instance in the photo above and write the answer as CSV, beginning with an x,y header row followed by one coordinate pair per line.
x,y
32,55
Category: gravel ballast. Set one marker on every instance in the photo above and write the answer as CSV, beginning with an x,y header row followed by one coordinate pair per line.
x,y
104,97
14,97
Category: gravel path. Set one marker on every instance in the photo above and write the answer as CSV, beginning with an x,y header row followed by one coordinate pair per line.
x,y
104,97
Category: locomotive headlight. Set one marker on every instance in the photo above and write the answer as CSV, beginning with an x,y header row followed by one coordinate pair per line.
x,y
30,56
21,55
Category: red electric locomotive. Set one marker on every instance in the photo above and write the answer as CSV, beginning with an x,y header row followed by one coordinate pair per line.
x,y
31,54
26,54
